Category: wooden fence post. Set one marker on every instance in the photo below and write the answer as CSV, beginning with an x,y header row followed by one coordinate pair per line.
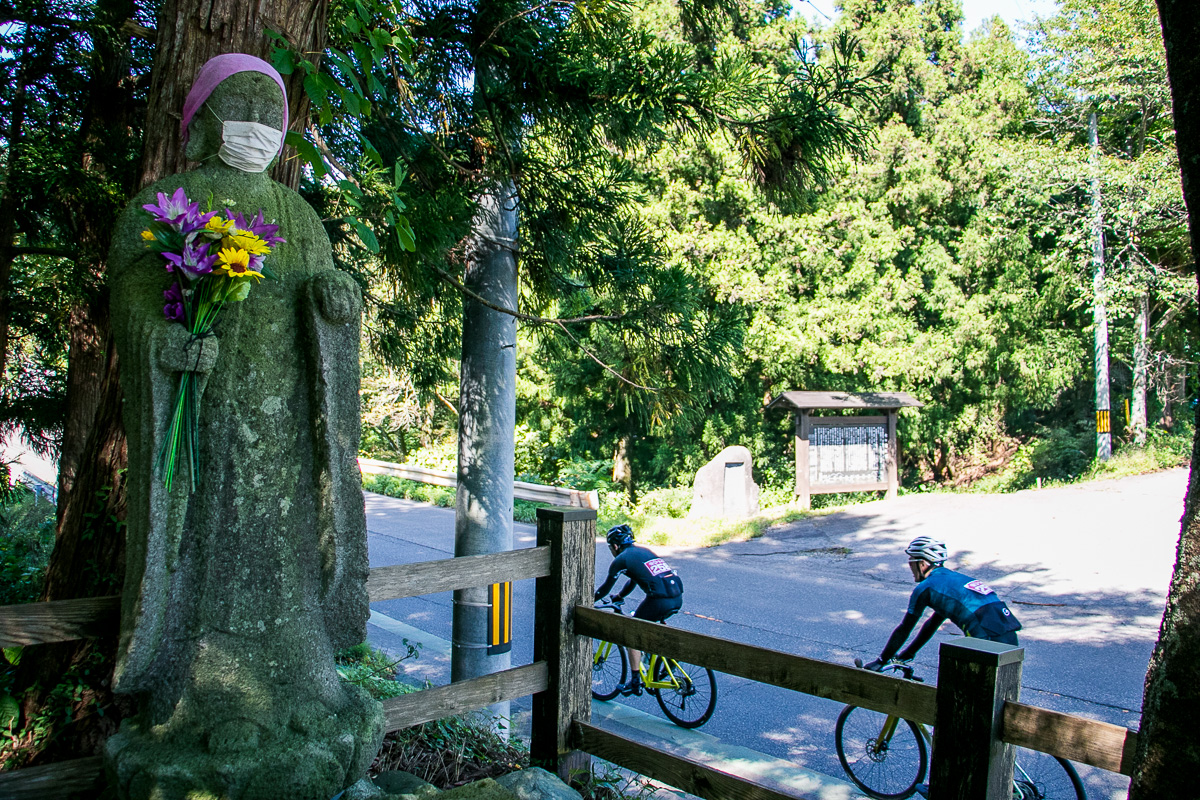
x,y
975,678
571,536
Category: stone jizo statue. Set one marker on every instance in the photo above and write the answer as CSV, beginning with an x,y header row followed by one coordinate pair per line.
x,y
238,594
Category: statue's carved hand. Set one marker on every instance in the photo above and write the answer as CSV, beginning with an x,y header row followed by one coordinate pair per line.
x,y
337,296
178,351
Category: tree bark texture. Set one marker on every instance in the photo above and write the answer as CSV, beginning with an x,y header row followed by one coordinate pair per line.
x,y
1168,755
190,33
89,552
107,127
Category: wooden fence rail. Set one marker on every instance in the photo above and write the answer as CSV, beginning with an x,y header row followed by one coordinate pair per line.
x,y
860,687
1098,744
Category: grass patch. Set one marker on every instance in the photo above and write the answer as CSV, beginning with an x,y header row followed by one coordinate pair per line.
x,y
702,531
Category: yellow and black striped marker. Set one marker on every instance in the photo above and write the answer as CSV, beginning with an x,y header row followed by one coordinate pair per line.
x,y
499,618
1103,422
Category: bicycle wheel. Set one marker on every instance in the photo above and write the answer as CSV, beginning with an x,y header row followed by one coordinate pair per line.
x,y
692,695
882,766
1040,776
609,670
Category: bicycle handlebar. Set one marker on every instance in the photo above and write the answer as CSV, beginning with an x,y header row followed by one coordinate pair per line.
x,y
613,604
906,669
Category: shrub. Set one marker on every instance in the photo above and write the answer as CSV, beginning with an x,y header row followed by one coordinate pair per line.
x,y
374,670
26,540
451,752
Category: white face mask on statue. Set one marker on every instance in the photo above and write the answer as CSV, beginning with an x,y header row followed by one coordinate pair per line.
x,y
248,146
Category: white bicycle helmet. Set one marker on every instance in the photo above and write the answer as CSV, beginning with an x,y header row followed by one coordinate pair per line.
x,y
924,548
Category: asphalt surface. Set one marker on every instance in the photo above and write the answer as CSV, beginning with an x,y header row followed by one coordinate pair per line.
x,y
1085,568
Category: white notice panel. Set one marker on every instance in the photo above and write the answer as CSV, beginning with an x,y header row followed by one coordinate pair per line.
x,y
847,454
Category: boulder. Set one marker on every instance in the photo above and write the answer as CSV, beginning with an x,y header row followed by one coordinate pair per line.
x,y
486,789
536,783
725,486
398,783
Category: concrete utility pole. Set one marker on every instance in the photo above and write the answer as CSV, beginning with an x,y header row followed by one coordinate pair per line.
x,y
483,520
1141,357
1099,310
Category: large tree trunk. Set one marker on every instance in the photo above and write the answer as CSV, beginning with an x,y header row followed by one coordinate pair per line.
x,y
89,552
1168,756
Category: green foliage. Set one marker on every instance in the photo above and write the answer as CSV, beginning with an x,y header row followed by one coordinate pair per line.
x,y
26,541
409,490
74,697
375,670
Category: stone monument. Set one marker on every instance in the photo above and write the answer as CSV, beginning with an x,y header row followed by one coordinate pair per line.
x,y
238,594
725,486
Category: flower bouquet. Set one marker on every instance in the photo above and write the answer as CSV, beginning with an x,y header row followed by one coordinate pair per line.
x,y
213,259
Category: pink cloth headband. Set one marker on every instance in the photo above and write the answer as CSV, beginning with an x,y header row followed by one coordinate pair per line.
x,y
217,69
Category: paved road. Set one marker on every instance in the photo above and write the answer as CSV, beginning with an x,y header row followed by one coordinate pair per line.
x,y
1084,567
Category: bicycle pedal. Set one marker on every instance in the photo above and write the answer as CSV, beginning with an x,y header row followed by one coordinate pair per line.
x,y
631,689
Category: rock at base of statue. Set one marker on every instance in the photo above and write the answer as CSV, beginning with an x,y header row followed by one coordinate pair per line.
x,y
725,486
312,757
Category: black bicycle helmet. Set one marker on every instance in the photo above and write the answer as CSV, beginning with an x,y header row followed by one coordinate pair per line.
x,y
620,535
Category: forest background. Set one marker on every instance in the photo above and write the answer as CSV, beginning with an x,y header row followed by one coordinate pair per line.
x,y
952,259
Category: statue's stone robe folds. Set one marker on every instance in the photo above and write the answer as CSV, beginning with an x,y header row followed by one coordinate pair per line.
x,y
238,594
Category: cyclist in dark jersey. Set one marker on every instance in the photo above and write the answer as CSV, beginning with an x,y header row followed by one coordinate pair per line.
x,y
648,572
970,604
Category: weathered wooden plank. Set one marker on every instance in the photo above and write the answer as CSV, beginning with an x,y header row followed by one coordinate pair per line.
x,y
464,697
860,687
58,621
571,535
970,760
54,781
1087,741
448,574
682,773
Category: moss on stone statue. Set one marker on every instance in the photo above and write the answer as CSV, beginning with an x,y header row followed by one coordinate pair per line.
x,y
237,595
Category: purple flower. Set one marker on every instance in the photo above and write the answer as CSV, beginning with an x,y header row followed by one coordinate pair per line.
x,y
195,261
173,310
258,226
177,211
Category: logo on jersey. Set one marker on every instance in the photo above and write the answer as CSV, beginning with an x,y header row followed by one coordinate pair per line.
x,y
657,566
979,587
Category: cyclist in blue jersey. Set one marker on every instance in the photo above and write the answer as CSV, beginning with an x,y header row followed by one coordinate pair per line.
x,y
970,604
648,572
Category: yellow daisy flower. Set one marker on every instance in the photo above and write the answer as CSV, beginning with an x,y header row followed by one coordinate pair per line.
x,y
247,241
235,262
148,235
218,225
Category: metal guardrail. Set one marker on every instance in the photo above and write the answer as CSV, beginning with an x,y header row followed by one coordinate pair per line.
x,y
535,492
